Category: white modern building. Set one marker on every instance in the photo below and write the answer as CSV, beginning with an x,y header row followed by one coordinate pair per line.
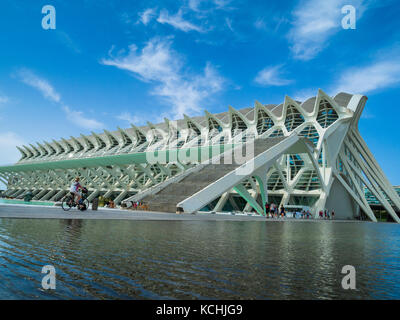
x,y
295,153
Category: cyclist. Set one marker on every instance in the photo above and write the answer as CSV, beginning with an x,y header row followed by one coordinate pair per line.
x,y
74,190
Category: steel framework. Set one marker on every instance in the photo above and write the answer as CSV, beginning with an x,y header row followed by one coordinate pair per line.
x,y
333,170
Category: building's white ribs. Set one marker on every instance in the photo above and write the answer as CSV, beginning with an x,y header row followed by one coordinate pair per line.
x,y
309,174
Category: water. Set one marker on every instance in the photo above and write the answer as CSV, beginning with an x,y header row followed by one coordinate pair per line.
x,y
190,260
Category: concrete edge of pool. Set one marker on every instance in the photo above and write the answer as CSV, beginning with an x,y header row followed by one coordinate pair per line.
x,y
45,212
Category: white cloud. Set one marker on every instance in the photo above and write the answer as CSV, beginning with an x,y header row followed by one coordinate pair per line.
x,y
376,76
8,143
147,15
260,24
221,3
270,24
304,94
3,99
205,5
82,121
158,63
272,76
229,24
367,115
45,88
139,120
126,116
382,73
314,21
68,41
177,21
195,4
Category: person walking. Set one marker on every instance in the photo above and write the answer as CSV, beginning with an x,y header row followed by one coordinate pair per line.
x,y
333,214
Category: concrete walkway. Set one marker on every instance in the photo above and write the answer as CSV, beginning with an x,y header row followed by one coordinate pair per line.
x,y
46,212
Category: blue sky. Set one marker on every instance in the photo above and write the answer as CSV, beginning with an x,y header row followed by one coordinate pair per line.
x,y
109,63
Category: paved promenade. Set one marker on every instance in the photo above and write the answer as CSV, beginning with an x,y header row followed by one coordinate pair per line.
x,y
45,212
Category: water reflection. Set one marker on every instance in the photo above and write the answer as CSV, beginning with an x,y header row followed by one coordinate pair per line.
x,y
188,260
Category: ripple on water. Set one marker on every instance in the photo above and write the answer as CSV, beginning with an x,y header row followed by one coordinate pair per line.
x,y
197,260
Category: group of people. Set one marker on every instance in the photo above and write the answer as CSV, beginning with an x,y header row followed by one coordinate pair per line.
x,y
305,214
326,214
273,211
106,202
136,205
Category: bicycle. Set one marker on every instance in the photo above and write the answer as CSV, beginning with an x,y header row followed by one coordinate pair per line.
x,y
69,202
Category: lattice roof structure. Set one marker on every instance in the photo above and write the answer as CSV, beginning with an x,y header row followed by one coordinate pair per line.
x,y
304,153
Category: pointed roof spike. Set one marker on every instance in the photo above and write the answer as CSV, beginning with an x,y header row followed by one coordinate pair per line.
x,y
29,151
112,139
43,150
75,139
188,119
37,153
258,104
139,135
158,131
59,146
135,127
51,148
100,142
288,99
68,144
126,138
78,144
172,125
150,125
23,153
241,115
123,131
88,142
20,149
33,147
214,118
322,95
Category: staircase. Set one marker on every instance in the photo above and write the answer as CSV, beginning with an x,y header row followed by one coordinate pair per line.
x,y
167,199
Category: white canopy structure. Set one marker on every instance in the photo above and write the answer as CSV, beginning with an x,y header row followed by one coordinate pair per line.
x,y
308,153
